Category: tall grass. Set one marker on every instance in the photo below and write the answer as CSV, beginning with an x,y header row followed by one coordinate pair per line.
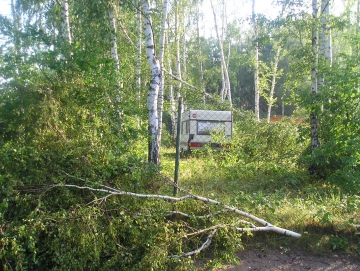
x,y
262,174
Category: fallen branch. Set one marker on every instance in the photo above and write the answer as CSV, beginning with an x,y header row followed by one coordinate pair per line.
x,y
203,246
115,192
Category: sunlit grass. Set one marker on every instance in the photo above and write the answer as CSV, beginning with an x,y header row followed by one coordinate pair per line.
x,y
284,196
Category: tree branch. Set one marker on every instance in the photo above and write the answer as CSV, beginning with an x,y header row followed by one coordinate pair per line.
x,y
203,246
189,85
115,192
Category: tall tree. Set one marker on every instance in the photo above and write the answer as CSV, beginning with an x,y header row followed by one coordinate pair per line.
x,y
325,49
155,82
177,43
315,143
161,62
274,74
114,49
226,90
66,21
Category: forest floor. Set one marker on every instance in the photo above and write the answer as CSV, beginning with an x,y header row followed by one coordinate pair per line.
x,y
256,259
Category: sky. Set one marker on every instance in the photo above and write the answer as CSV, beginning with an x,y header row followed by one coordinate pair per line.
x,y
5,7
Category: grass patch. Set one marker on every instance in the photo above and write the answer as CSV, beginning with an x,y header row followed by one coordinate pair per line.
x,y
284,196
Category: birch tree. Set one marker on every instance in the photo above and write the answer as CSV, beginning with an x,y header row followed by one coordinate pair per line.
x,y
66,21
314,84
114,50
224,69
153,92
161,62
199,47
274,74
324,39
177,43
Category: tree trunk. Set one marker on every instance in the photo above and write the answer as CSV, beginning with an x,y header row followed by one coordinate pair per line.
x,y
225,73
171,93
114,52
273,82
177,42
199,49
256,64
155,82
314,84
66,21
324,40
161,61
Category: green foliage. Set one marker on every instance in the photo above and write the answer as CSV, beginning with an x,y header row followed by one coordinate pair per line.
x,y
338,159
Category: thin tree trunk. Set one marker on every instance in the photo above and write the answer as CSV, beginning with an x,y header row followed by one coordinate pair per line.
x,y
138,62
324,40
199,49
314,84
177,42
115,56
225,72
228,94
256,64
155,82
114,52
184,66
171,92
161,61
273,82
66,21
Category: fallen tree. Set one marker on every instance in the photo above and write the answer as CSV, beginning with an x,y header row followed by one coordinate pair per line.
x,y
246,224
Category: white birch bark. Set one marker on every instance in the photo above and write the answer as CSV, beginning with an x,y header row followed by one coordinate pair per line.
x,y
273,82
155,82
184,50
199,49
66,21
177,42
171,92
314,84
225,72
256,64
114,53
324,39
161,62
228,94
327,50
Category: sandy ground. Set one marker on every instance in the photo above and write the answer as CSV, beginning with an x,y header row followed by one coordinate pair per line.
x,y
294,260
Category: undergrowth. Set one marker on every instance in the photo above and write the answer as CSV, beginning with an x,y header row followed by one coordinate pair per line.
x,y
263,173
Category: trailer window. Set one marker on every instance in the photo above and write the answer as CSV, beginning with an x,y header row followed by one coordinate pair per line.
x,y
206,127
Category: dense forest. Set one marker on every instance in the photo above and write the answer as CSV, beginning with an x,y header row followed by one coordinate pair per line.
x,y
88,103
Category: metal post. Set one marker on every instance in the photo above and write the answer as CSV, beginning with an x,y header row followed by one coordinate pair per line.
x,y
177,159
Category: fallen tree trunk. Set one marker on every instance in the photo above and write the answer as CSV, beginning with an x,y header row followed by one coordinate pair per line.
x,y
242,225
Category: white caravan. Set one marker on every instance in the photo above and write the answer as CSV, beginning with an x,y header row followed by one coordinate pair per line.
x,y
197,126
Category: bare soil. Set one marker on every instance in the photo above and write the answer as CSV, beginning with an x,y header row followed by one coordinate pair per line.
x,y
274,260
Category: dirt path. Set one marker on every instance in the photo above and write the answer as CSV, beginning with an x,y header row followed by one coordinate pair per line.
x,y
294,260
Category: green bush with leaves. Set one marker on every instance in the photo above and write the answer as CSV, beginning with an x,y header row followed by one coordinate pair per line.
x,y
338,158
